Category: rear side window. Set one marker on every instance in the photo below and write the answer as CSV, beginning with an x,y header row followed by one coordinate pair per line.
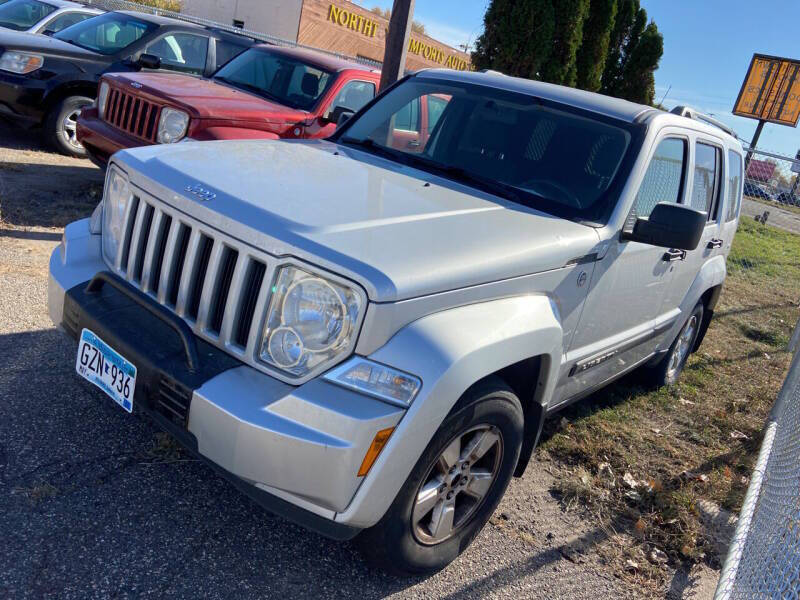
x,y
734,184
705,188
407,118
664,177
227,51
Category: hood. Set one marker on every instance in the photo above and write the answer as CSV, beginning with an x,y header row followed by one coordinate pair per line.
x,y
398,231
34,42
203,98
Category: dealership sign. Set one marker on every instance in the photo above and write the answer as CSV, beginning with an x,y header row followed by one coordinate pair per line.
x,y
771,91
367,27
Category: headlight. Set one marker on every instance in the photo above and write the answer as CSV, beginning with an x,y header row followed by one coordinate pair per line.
x,y
115,201
20,62
375,379
172,125
102,98
310,322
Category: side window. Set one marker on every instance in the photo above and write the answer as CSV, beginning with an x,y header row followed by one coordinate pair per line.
x,y
184,52
407,118
354,95
227,51
664,177
705,188
64,20
436,106
734,184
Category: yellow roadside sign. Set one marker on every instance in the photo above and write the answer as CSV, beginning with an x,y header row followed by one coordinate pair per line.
x,y
771,90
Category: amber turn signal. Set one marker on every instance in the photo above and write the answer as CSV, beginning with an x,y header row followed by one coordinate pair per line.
x,y
374,450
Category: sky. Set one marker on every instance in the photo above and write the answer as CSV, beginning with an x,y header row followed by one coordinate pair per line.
x,y
708,45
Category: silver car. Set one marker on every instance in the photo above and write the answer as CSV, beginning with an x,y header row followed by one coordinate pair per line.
x,y
366,333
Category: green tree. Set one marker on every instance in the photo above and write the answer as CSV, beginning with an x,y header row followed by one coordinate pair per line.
x,y
638,80
567,37
591,59
517,37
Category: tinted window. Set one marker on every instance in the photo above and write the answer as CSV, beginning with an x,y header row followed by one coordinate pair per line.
x,y
226,51
65,20
664,177
107,34
24,14
734,184
706,173
181,52
547,155
276,77
354,95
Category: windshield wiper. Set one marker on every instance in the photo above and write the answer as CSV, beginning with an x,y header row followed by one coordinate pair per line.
x,y
460,174
250,88
371,146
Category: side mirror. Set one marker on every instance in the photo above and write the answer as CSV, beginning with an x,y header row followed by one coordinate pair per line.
x,y
670,226
339,115
149,61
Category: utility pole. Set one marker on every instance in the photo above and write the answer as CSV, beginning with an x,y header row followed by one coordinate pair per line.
x,y
394,56
753,143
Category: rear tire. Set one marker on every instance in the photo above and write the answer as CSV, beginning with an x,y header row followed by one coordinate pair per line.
x,y
455,486
669,369
59,125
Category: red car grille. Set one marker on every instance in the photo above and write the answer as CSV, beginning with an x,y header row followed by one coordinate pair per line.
x,y
132,114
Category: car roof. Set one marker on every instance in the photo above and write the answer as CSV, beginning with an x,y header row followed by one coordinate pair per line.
x,y
159,19
68,4
605,105
324,61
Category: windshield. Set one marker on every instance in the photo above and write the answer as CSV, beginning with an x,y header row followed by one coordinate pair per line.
x,y
279,78
24,14
107,34
544,155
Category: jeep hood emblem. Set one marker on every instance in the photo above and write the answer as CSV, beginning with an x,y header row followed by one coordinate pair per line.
x,y
136,84
201,192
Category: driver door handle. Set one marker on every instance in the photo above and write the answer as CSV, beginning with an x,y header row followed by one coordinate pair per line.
x,y
715,243
413,144
672,255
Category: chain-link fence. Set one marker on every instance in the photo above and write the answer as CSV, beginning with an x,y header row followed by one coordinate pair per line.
x,y
764,556
258,35
772,177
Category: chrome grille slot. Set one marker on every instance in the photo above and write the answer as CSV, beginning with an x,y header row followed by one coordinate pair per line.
x,y
247,303
132,114
126,243
141,243
177,267
220,297
199,278
158,254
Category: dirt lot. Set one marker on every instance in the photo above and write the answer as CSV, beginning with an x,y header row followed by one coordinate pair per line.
x,y
94,503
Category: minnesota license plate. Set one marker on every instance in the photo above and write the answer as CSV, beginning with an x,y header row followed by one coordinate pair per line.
x,y
103,366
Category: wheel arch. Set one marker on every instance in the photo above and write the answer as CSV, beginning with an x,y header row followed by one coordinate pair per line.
x,y
65,90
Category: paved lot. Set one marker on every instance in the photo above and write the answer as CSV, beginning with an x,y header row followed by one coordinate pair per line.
x,y
96,503
778,217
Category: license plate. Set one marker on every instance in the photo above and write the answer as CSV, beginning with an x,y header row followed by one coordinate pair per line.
x,y
103,366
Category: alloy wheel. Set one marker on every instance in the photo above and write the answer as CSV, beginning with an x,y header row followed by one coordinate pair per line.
x,y
457,484
69,129
682,347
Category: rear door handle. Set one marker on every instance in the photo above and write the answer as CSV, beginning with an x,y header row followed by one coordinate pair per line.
x,y
672,255
715,243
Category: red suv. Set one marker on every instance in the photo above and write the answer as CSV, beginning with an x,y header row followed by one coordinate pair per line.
x,y
265,92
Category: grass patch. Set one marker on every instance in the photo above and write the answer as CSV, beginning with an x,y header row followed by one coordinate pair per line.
x,y
641,459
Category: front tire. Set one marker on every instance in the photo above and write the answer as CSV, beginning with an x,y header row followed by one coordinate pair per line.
x,y
669,369
455,486
59,125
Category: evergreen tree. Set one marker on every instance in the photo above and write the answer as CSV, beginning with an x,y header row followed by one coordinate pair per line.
x,y
517,37
591,59
638,80
567,37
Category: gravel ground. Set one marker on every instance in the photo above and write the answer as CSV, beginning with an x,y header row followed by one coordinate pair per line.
x,y
96,503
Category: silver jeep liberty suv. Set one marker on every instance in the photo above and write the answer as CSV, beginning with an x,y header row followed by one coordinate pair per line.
x,y
366,333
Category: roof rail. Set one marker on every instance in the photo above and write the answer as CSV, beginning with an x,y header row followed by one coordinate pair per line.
x,y
691,113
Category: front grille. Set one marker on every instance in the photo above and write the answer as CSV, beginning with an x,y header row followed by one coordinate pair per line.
x,y
132,114
212,281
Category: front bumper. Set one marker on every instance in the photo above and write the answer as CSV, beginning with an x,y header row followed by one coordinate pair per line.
x,y
100,139
296,450
22,97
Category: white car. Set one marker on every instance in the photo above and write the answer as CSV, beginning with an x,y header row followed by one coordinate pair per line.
x,y
366,333
37,16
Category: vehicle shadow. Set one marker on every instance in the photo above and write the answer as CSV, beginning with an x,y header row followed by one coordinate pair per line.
x,y
99,500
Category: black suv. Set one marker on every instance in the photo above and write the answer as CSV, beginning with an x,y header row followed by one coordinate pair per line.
x,y
47,80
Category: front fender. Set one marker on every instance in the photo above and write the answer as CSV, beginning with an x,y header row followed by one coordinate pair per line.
x,y
234,133
450,351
